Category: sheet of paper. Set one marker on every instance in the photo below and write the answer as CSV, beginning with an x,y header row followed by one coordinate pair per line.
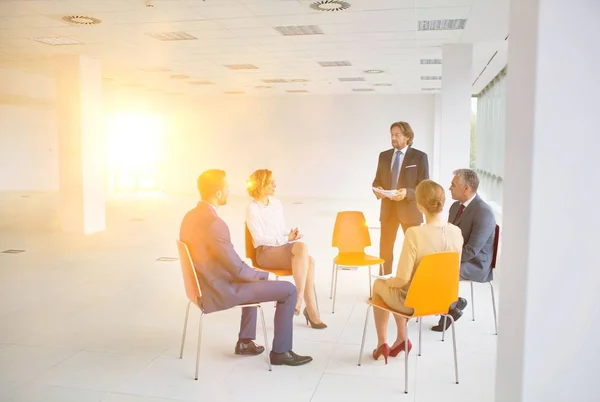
x,y
385,193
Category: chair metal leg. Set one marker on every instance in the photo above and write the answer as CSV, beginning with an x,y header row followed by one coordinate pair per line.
x,y
420,331
454,346
494,307
187,314
362,344
444,328
199,344
472,302
262,319
370,284
406,358
335,289
332,276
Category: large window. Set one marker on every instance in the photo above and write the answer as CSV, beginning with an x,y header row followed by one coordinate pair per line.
x,y
489,138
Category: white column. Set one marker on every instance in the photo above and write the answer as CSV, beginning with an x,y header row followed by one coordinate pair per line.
x,y
82,145
548,348
455,135
434,163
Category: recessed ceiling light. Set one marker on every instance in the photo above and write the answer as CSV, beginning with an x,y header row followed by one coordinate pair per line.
x,y
57,41
335,63
330,5
81,20
351,79
431,77
241,66
169,36
296,30
431,61
297,91
382,84
373,71
442,25
363,89
180,76
201,83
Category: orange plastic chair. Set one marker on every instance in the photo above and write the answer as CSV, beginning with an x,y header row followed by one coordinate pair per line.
x,y
493,265
351,237
194,295
251,254
433,288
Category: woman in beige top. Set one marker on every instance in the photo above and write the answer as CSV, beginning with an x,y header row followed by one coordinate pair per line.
x,y
435,235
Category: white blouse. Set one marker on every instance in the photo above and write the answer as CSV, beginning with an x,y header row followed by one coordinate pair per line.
x,y
266,223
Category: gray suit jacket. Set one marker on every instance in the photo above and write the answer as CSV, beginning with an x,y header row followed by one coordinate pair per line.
x,y
478,225
221,272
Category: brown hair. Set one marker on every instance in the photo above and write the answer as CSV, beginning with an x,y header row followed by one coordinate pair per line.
x,y
431,196
210,182
257,183
406,130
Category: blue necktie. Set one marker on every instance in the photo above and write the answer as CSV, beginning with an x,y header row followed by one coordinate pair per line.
x,y
396,169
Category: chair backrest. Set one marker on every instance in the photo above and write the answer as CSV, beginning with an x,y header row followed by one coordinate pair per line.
x,y
250,250
190,279
350,233
434,286
496,240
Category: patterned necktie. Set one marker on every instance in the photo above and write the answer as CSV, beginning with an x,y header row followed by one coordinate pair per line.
x,y
459,212
396,169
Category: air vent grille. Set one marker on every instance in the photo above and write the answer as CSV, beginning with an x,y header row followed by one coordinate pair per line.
x,y
296,30
171,36
442,25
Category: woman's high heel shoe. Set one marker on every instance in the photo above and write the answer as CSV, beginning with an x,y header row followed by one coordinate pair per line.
x,y
314,325
400,348
383,350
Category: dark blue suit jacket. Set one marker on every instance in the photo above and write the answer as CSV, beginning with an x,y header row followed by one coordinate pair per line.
x,y
221,271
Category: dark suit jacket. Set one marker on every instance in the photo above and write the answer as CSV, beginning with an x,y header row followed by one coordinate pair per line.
x,y
478,226
414,169
220,270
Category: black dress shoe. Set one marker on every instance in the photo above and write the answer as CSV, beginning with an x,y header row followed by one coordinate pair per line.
x,y
248,348
456,314
288,358
461,303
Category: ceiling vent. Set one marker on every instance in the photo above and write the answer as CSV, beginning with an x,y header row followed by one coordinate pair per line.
x,y
57,41
430,89
351,79
331,6
297,91
180,77
241,66
431,77
81,20
335,63
442,25
275,81
170,36
296,80
363,89
201,83
431,61
383,84
297,30
263,87
374,71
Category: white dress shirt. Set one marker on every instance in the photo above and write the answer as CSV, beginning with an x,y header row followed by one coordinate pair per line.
x,y
466,203
266,223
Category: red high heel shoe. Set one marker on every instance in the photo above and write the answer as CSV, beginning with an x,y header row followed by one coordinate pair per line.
x,y
383,350
400,348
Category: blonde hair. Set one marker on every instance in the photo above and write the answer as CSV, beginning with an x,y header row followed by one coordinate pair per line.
x,y
431,196
257,183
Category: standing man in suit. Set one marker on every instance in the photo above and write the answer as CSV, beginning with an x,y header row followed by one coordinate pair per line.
x,y
477,223
401,168
227,281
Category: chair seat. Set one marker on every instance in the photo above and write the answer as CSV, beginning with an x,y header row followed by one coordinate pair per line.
x,y
379,303
276,272
357,259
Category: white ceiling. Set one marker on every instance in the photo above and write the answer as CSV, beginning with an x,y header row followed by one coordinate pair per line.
x,y
372,34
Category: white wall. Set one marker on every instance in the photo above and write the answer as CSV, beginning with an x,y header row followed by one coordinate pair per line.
x,y
28,148
317,146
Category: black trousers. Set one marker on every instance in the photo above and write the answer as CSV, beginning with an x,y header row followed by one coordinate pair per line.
x,y
389,231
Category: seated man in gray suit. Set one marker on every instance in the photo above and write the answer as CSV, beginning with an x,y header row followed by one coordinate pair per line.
x,y
477,223
226,281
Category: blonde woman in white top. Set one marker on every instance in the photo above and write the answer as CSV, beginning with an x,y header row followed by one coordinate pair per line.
x,y
276,248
